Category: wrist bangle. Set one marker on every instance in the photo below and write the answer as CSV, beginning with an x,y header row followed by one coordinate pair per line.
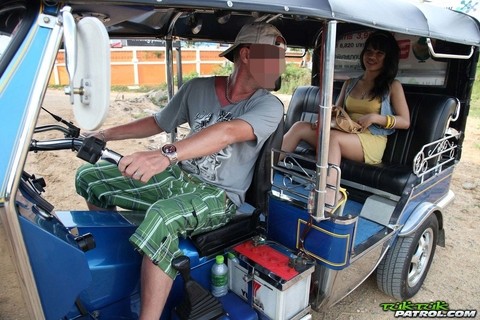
x,y
391,121
394,122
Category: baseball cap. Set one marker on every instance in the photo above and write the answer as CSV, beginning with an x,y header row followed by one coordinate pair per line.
x,y
255,33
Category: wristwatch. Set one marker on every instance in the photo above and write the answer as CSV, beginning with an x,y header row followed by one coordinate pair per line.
x,y
170,151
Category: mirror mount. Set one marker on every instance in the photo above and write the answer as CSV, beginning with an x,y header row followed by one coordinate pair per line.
x,y
70,41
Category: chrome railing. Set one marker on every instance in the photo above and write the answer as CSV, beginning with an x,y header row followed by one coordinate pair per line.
x,y
434,156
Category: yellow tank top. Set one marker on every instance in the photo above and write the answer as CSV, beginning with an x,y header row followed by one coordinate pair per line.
x,y
359,107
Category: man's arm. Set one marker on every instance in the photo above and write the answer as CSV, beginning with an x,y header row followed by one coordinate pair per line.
x,y
214,138
143,165
137,129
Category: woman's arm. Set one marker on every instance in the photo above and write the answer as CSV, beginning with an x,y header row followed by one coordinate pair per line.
x,y
400,106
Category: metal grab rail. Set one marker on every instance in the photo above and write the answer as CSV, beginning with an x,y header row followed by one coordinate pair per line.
x,y
442,149
448,55
292,180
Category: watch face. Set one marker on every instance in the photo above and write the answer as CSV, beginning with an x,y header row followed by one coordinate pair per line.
x,y
169,149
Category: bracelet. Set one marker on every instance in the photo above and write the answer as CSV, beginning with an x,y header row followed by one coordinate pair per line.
x,y
391,122
388,122
102,133
394,122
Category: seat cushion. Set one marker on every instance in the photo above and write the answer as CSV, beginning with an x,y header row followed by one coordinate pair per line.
x,y
391,178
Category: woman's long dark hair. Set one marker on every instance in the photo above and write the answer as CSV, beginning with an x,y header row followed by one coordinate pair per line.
x,y
383,41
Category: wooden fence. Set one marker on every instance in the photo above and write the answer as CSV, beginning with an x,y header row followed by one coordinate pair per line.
x,y
146,66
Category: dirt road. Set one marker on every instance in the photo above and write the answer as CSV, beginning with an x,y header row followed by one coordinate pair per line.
x,y
453,277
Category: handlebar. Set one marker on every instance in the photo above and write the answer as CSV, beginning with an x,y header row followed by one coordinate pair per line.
x,y
69,132
73,144
89,149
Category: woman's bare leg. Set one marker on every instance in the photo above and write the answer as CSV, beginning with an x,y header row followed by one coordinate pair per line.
x,y
342,145
300,131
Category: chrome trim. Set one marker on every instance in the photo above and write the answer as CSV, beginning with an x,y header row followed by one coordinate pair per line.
x,y
446,200
325,113
421,213
296,175
457,112
446,55
371,246
169,66
169,55
443,150
334,285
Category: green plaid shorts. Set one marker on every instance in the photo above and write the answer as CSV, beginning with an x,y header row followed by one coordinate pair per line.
x,y
176,204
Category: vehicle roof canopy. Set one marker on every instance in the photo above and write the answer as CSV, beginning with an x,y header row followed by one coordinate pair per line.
x,y
153,17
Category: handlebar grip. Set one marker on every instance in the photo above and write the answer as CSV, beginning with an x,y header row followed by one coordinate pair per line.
x,y
111,156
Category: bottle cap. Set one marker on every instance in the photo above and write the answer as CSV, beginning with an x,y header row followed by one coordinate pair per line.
x,y
231,255
219,259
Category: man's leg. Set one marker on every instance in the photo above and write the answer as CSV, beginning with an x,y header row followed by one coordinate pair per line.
x,y
155,287
104,188
199,208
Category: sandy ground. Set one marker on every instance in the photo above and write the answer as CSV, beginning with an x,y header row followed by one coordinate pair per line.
x,y
453,277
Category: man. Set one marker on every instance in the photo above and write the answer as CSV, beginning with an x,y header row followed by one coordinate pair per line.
x,y
230,119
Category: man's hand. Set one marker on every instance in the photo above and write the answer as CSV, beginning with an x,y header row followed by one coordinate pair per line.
x,y
143,165
97,134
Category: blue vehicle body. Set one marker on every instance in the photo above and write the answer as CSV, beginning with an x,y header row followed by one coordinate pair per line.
x,y
80,265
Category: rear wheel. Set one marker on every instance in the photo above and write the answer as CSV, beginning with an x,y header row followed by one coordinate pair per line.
x,y
402,271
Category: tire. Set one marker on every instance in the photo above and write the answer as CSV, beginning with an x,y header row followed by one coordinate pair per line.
x,y
403,269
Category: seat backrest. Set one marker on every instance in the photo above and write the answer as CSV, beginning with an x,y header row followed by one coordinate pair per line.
x,y
258,191
303,105
429,117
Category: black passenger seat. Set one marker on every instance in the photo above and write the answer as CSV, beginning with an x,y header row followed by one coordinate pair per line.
x,y
429,118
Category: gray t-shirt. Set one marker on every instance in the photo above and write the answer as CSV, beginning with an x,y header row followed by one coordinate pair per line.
x,y
231,169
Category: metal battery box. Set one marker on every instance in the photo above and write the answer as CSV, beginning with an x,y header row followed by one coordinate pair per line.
x,y
263,276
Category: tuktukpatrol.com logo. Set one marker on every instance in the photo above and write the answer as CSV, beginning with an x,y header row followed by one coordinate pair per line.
x,y
437,309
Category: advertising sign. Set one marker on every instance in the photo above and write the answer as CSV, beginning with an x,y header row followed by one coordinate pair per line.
x,y
416,66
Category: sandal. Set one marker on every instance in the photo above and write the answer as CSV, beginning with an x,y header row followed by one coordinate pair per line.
x,y
338,209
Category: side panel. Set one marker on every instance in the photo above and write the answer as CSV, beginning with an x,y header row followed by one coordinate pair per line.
x,y
287,224
61,270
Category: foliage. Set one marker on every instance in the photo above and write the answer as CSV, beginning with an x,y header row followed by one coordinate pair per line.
x,y
293,76
225,70
187,77
475,101
119,88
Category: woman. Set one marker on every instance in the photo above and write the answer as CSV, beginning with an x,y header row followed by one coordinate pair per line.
x,y
375,100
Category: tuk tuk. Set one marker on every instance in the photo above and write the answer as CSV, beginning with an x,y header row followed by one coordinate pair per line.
x,y
77,264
